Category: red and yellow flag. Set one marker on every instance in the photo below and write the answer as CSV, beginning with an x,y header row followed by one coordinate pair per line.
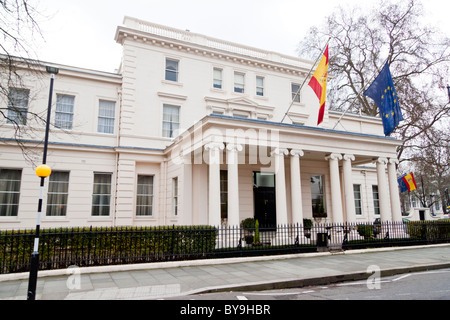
x,y
318,83
410,182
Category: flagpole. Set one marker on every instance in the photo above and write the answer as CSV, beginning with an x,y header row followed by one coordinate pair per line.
x,y
306,78
359,93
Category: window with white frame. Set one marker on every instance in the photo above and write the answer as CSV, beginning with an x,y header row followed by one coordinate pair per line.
x,y
295,94
171,70
101,196
357,196
58,193
217,78
10,180
106,116
171,121
376,199
260,86
223,194
144,195
64,111
175,196
17,106
239,82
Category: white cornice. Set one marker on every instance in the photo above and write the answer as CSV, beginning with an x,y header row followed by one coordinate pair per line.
x,y
157,35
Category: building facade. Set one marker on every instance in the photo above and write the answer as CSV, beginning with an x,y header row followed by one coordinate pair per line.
x,y
190,130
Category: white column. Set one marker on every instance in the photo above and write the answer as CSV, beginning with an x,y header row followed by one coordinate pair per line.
x,y
393,188
214,182
296,187
280,186
348,188
233,184
383,194
336,201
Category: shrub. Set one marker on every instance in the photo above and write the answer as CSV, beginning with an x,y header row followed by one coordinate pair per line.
x,y
365,230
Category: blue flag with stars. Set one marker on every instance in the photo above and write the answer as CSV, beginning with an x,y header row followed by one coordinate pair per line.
x,y
382,91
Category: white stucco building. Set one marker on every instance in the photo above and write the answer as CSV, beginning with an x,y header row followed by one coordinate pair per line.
x,y
188,131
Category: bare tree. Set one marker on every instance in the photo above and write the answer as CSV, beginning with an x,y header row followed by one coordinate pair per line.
x,y
419,56
19,31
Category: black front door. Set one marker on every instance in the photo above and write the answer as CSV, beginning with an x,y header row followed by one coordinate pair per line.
x,y
264,199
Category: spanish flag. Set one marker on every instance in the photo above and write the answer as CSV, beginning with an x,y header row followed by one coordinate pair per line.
x,y
318,83
407,182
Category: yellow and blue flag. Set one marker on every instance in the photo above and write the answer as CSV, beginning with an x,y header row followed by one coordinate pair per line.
x,y
382,91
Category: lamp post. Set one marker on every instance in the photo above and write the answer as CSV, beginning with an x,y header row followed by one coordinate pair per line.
x,y
42,171
448,92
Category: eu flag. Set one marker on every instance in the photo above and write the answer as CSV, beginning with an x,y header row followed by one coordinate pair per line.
x,y
382,91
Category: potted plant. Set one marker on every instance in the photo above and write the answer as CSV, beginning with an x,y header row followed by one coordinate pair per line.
x,y
307,225
249,228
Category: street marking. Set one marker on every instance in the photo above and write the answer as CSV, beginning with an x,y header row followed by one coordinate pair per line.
x,y
241,298
401,277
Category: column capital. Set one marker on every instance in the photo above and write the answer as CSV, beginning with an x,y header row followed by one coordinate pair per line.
x,y
381,160
280,152
234,147
349,157
393,160
297,152
214,146
334,156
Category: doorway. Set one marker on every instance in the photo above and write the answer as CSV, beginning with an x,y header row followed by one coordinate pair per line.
x,y
264,199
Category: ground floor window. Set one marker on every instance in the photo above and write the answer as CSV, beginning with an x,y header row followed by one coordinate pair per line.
x,y
318,196
376,199
101,197
175,196
357,196
144,196
9,191
58,193
223,194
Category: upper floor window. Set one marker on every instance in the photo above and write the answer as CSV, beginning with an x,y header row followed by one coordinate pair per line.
x,y
9,191
239,82
217,78
64,111
106,115
260,86
295,94
18,106
171,70
171,121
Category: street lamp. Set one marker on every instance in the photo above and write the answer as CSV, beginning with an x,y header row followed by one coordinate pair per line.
x,y
42,171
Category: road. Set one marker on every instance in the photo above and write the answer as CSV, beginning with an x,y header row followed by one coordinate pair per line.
x,y
429,285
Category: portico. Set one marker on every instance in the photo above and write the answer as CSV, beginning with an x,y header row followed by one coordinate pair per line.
x,y
291,155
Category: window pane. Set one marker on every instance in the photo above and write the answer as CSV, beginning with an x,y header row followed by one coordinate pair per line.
x,y
357,196
260,86
294,89
18,106
217,81
64,111
144,197
239,82
172,70
171,121
317,196
58,193
376,200
106,116
101,197
9,191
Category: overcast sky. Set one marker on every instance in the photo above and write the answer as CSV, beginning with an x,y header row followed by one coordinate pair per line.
x,y
81,33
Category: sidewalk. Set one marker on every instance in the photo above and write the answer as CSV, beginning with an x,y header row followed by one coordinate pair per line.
x,y
169,279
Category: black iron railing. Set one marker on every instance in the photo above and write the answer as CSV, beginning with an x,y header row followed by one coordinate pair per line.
x,y
64,247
